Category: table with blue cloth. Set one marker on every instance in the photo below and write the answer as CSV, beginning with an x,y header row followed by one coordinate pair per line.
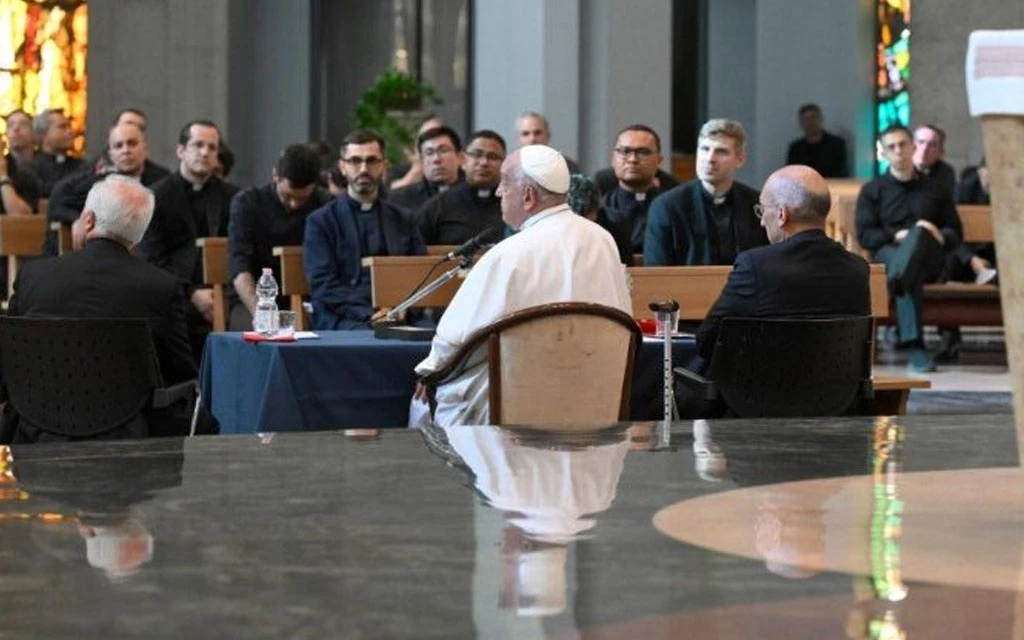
x,y
350,379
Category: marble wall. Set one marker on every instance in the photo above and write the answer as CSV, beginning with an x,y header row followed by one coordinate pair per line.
x,y
940,29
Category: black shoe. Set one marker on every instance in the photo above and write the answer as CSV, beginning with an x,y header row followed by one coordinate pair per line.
x,y
951,341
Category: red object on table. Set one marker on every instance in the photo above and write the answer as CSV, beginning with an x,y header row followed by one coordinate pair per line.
x,y
648,326
252,336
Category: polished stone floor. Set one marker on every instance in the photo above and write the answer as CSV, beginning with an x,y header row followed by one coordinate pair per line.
x,y
908,527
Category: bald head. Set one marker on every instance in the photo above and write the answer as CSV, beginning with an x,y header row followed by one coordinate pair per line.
x,y
794,199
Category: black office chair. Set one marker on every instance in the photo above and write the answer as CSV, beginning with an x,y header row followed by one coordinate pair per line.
x,y
82,378
787,367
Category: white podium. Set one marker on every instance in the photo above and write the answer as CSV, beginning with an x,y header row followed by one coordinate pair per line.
x,y
995,92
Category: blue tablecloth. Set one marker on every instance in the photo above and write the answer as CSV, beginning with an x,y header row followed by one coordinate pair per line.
x,y
349,379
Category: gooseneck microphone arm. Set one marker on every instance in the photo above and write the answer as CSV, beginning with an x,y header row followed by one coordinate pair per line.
x,y
443,279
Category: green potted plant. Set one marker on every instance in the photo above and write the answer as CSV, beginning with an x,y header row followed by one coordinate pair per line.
x,y
393,106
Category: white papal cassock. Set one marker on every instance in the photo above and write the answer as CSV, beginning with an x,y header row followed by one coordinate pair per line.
x,y
557,256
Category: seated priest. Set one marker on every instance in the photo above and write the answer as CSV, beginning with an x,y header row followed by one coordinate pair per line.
x,y
473,205
556,256
710,219
354,225
273,215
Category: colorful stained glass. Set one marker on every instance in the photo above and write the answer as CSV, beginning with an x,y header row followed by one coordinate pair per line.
x,y
42,59
892,92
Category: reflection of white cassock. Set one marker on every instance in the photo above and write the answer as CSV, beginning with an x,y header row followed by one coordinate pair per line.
x,y
557,256
550,491
548,494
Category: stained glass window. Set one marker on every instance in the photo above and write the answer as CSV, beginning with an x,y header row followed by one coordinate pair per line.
x,y
42,59
892,95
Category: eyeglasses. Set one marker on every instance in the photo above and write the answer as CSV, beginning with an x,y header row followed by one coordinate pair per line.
x,y
641,153
355,161
477,154
437,151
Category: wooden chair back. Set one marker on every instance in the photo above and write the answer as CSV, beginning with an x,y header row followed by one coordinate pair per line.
x,y
20,237
567,364
293,282
214,252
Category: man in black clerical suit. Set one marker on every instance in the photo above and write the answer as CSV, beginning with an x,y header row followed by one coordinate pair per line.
x,y
471,206
127,153
190,203
635,160
354,225
818,149
440,151
52,163
710,219
273,215
929,149
104,280
802,273
909,222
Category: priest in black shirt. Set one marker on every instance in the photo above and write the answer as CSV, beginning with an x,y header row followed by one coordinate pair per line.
x,y
818,149
929,149
472,205
635,161
440,152
52,163
190,203
710,219
262,218
908,222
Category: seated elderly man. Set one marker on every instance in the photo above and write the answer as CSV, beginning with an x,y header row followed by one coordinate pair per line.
x,y
104,280
802,273
556,256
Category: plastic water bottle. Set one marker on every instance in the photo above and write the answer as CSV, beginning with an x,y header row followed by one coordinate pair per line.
x,y
264,320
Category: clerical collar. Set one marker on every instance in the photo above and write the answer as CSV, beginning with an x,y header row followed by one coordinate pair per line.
x,y
60,158
356,205
717,200
483,194
441,188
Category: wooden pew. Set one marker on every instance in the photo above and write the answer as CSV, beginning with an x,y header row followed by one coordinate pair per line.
x,y
20,237
214,253
64,239
293,283
841,222
440,249
393,278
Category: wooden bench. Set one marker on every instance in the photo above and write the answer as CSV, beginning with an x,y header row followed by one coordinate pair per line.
x,y
945,303
214,252
21,236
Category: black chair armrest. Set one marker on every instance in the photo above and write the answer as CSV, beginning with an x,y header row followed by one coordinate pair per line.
x,y
696,383
167,396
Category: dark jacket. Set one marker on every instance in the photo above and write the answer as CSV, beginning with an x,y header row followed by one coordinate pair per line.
x,y
68,198
827,157
332,256
104,280
170,240
886,206
807,275
677,226
607,182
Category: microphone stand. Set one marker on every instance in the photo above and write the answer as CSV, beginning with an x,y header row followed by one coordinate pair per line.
x,y
388,327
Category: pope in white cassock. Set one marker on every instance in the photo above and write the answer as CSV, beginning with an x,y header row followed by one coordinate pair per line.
x,y
556,256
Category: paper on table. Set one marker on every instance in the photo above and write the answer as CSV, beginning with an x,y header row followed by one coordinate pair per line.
x,y
305,335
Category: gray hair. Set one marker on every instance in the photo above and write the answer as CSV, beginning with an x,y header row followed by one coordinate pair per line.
x,y
805,206
123,209
728,128
41,123
533,114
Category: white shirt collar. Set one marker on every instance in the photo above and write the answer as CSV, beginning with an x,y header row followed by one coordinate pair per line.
x,y
544,214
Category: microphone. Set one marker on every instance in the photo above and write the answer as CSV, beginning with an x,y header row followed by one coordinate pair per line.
x,y
471,246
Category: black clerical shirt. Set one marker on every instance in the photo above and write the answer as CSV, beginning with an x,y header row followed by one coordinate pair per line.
x,y
827,157
721,228
52,168
459,214
886,206
630,209
259,222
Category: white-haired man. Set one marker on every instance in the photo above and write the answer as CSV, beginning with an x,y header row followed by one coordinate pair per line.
x,y
104,280
556,256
